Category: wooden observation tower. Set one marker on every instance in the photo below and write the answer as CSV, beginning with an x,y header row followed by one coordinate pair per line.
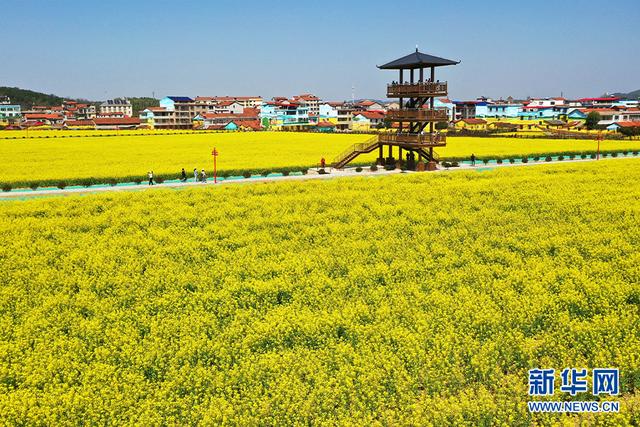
x,y
414,119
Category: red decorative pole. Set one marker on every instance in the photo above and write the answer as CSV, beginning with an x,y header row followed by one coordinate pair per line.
x,y
214,153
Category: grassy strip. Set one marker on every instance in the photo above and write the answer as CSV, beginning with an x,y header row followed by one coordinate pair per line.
x,y
542,155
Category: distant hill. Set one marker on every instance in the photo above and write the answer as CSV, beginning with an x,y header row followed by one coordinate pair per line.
x,y
28,98
631,95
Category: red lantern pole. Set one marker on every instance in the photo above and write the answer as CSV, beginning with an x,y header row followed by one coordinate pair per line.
x,y
214,153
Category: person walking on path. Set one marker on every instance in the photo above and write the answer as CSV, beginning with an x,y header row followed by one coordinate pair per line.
x,y
203,176
150,174
183,176
195,174
473,159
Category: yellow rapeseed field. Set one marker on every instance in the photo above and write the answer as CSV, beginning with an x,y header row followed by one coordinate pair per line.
x,y
124,158
417,299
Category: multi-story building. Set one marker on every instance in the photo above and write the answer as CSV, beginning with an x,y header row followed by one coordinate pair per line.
x,y
85,111
468,109
228,107
158,118
9,112
284,114
117,105
211,120
245,101
184,108
310,101
328,112
502,109
345,116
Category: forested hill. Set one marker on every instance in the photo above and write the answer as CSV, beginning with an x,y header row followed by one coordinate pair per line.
x,y
28,98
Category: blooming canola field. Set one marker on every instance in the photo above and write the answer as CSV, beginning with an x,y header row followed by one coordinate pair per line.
x,y
97,159
414,299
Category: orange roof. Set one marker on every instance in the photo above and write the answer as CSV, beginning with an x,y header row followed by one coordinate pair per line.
x,y
117,121
474,121
42,116
217,126
371,114
307,97
253,124
325,124
628,124
226,103
80,123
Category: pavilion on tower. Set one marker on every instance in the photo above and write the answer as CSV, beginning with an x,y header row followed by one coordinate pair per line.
x,y
415,116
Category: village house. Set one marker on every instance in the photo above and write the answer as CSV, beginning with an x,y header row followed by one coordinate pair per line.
x,y
158,118
49,119
245,101
9,113
310,101
445,103
284,114
228,107
470,109
471,124
369,105
365,121
328,112
345,116
113,123
184,110
608,116
84,124
616,126
502,109
117,105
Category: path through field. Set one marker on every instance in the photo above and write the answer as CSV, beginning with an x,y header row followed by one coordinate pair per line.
x,y
350,172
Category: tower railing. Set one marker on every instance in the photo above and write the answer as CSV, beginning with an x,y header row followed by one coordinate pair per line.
x,y
396,90
426,139
418,115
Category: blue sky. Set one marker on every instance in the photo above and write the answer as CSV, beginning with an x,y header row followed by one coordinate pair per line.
x,y
104,49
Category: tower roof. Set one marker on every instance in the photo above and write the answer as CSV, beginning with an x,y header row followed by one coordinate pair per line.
x,y
417,60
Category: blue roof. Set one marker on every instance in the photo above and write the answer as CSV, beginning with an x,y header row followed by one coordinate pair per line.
x,y
180,98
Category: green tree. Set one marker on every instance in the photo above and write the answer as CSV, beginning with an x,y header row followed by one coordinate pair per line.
x,y
592,120
442,125
139,104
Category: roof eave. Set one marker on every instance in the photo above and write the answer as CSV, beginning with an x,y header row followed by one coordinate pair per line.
x,y
390,66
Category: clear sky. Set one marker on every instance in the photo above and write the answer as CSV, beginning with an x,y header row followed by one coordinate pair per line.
x,y
103,49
